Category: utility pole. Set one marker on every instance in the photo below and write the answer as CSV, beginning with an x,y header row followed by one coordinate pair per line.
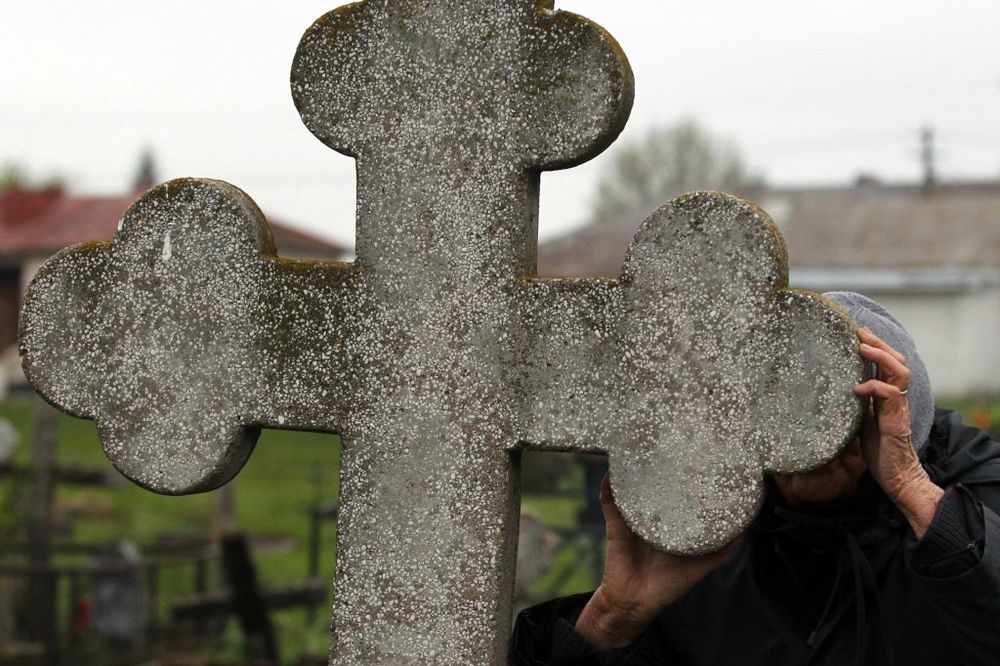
x,y
928,157
146,174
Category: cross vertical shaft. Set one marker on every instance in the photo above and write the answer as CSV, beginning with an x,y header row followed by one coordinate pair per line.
x,y
451,109
428,489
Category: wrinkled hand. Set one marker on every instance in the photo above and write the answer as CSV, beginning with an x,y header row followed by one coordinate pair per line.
x,y
885,440
639,582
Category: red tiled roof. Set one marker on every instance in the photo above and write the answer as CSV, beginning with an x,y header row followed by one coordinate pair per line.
x,y
40,223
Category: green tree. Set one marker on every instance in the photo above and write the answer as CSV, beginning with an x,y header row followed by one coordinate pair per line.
x,y
667,161
12,177
16,177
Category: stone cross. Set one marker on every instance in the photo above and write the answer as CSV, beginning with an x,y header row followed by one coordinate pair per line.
x,y
438,355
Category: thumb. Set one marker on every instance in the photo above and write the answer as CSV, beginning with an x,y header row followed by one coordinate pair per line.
x,y
614,523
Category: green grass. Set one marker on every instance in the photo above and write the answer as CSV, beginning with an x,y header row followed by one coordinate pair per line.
x,y
557,512
288,473
976,410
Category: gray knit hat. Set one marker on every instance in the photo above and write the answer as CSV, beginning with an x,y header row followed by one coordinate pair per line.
x,y
867,312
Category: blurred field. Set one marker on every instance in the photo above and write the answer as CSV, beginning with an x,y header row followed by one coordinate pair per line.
x,y
287,476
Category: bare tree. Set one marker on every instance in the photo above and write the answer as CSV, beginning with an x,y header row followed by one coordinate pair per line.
x,y
668,161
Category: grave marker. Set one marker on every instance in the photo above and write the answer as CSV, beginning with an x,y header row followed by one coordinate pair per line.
x,y
119,600
437,354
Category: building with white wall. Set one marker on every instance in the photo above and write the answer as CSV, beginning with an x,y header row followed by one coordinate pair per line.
x,y
929,253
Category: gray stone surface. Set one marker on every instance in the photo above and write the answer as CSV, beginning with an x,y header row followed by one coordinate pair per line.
x,y
436,354
117,593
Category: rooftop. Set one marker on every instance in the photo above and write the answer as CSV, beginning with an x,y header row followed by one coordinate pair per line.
x,y
39,223
899,228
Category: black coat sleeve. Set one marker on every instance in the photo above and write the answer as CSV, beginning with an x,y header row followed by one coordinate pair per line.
x,y
544,636
955,539
957,566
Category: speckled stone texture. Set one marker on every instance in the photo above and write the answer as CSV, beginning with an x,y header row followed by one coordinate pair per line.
x,y
436,354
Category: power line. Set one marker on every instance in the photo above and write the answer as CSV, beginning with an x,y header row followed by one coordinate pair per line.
x,y
972,140
828,144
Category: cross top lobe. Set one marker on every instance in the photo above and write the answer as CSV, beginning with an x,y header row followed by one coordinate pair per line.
x,y
511,82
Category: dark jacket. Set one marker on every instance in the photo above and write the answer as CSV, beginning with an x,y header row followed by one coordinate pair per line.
x,y
845,586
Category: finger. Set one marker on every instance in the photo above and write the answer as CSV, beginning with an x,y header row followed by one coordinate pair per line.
x,y
878,389
605,493
614,524
891,368
892,424
892,412
869,337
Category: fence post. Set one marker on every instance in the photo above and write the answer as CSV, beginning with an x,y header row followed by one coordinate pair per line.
x,y
41,611
72,619
250,607
200,587
152,601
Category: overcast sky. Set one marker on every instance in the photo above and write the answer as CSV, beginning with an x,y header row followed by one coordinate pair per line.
x,y
813,92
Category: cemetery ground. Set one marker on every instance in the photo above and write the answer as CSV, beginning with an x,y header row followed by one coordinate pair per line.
x,y
287,478
289,475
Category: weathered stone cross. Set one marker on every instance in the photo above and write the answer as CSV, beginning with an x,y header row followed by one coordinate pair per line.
x,y
437,354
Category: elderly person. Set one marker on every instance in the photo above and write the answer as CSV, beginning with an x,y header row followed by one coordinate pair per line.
x,y
889,554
